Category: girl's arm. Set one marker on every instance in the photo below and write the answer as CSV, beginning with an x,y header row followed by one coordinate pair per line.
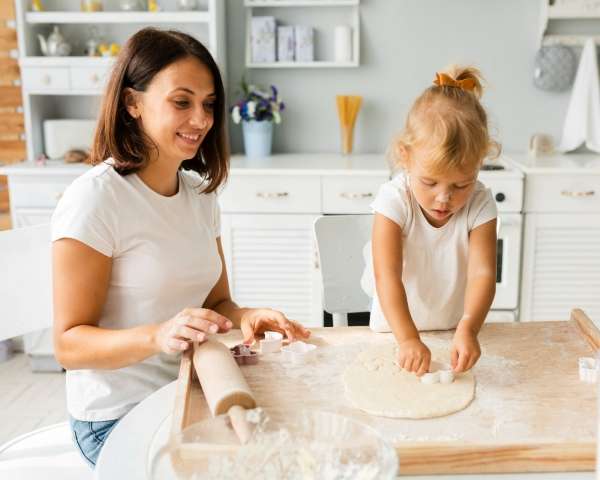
x,y
387,266
480,291
250,320
80,281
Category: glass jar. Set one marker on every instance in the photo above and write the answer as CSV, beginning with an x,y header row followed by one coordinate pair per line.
x,y
91,6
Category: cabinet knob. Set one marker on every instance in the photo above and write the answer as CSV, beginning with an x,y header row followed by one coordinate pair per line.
x,y
46,79
271,194
355,195
59,196
500,197
94,78
570,193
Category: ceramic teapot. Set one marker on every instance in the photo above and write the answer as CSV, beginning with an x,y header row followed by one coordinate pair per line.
x,y
55,45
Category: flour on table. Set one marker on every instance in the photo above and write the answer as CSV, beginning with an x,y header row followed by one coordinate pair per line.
x,y
376,385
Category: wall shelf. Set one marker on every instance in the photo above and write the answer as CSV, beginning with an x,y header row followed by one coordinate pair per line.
x,y
322,60
69,17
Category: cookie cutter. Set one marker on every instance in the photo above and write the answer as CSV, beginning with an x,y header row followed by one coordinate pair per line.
x,y
588,370
243,355
271,343
298,352
438,373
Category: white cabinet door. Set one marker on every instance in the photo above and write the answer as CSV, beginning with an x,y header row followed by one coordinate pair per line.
x,y
561,266
272,262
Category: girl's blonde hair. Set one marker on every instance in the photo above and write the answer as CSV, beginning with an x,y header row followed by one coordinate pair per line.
x,y
450,123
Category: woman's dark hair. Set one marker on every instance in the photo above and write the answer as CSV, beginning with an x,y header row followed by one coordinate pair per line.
x,y
118,135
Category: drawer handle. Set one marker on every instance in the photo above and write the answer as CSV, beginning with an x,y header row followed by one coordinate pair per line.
x,y
59,196
569,193
354,196
271,194
46,79
95,78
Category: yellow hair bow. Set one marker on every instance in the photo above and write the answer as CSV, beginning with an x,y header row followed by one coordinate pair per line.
x,y
444,80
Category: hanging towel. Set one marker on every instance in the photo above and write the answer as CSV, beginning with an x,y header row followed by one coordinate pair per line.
x,y
582,123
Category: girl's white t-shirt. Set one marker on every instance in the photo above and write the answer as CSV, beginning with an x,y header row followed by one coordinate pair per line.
x,y
434,271
164,259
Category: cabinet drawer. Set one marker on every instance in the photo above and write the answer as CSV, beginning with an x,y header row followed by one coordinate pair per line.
x,y
88,78
349,194
565,193
277,193
45,78
33,192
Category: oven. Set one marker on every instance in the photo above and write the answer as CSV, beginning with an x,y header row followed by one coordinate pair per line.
x,y
508,261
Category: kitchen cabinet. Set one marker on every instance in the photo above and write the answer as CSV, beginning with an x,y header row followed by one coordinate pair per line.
x,y
561,245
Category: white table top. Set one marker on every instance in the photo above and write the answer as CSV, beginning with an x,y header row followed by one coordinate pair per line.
x,y
146,427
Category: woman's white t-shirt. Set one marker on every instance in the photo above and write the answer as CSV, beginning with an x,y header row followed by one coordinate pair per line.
x,y
434,271
164,258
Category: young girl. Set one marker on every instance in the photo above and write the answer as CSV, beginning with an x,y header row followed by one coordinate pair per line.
x,y
434,231
138,264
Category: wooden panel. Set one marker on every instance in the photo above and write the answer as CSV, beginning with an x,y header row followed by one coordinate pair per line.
x,y
3,194
8,38
12,151
12,122
5,221
521,420
9,71
7,10
10,96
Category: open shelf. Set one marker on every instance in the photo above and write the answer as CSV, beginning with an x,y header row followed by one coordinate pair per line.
x,y
117,17
300,3
315,64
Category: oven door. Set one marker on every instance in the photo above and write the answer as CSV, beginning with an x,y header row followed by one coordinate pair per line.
x,y
508,264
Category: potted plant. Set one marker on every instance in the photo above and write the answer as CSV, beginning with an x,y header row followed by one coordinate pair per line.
x,y
258,110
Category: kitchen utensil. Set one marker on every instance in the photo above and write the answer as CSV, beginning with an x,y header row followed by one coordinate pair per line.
x,y
298,352
224,386
348,107
55,45
271,343
555,67
243,355
438,373
287,444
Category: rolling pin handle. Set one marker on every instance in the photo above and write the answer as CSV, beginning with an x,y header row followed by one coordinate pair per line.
x,y
240,424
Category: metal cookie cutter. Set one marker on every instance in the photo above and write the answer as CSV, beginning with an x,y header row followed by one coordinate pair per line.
x,y
438,373
298,352
271,343
243,355
588,370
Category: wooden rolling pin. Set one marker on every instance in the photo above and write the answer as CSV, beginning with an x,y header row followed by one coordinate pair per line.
x,y
224,386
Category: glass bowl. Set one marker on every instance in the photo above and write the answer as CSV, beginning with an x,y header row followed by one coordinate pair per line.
x,y
304,445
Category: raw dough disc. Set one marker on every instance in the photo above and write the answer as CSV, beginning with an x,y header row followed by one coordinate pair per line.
x,y
375,384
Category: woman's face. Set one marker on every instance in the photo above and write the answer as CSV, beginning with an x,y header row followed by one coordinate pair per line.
x,y
440,196
177,109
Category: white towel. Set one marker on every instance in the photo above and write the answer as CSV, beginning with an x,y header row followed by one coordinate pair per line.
x,y
582,123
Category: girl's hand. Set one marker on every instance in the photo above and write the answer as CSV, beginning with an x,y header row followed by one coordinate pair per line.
x,y
465,350
259,320
189,325
414,356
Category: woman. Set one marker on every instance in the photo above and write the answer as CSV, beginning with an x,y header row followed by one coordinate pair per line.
x,y
138,264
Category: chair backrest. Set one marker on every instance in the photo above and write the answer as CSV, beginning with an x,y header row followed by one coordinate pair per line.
x,y
340,241
25,280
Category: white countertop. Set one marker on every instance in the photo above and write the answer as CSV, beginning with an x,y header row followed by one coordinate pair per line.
x,y
557,164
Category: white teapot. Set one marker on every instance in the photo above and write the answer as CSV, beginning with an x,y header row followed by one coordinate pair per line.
x,y
55,45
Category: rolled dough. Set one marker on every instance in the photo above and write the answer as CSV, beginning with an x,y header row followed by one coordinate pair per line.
x,y
376,385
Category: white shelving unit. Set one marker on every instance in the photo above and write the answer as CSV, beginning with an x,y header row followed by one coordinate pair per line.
x,y
303,12
71,87
575,10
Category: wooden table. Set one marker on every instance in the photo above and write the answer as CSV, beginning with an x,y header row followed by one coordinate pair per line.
x,y
530,412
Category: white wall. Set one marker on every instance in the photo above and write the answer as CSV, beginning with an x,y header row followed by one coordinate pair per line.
x,y
403,43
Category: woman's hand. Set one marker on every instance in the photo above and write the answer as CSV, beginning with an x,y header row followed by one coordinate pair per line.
x,y
189,325
465,350
414,356
259,320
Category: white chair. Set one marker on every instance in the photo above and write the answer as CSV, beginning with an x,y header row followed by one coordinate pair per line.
x,y
340,242
25,306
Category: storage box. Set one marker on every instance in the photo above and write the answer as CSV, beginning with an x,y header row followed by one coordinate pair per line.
x,y
262,39
305,47
285,44
62,135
